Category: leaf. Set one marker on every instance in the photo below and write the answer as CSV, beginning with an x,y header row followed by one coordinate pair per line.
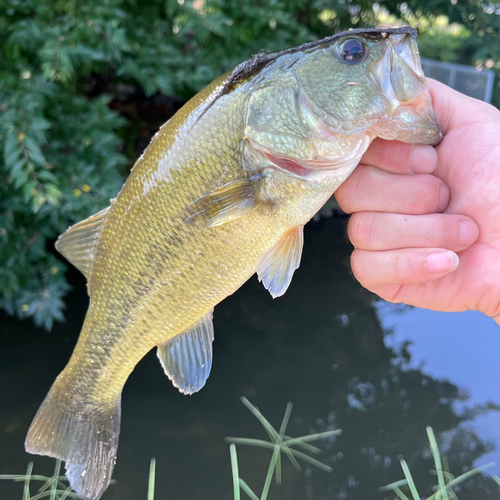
x,y
20,178
27,190
10,144
34,152
46,175
12,148
37,201
53,194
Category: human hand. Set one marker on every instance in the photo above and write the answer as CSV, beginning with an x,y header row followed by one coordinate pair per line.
x,y
408,229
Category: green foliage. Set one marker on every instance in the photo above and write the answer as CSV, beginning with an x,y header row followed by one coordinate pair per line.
x,y
62,62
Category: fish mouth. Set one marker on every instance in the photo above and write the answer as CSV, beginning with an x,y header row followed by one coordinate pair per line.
x,y
413,122
399,78
418,114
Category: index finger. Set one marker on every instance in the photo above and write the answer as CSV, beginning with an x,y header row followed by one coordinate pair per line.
x,y
400,158
454,109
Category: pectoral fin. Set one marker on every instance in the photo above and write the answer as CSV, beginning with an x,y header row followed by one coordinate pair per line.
x,y
226,203
276,267
79,242
187,358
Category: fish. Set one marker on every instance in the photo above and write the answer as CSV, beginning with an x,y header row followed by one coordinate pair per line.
x,y
222,192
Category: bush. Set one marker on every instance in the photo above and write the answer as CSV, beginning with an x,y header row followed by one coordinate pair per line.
x,y
63,61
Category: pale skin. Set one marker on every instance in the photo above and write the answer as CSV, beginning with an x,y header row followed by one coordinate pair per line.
x,y
425,221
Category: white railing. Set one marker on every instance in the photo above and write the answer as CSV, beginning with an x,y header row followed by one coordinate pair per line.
x,y
466,79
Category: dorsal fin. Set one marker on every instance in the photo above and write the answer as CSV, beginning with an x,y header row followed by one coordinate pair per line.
x,y
79,242
187,358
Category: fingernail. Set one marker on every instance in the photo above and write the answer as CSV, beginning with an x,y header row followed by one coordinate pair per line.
x,y
442,262
468,233
423,159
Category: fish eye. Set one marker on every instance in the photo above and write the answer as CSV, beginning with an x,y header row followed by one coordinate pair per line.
x,y
353,51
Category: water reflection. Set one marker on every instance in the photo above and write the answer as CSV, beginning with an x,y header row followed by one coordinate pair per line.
x,y
321,347
462,347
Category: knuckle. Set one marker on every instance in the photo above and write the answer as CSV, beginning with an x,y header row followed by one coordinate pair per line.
x,y
341,198
348,192
390,293
402,267
397,270
398,155
426,195
357,266
355,229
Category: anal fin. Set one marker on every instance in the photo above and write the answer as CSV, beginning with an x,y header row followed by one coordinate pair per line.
x,y
276,267
187,358
79,242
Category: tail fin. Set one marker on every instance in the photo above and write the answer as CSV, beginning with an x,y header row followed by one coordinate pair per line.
x,y
85,436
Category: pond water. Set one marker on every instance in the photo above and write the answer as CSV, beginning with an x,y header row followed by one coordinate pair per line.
x,y
339,355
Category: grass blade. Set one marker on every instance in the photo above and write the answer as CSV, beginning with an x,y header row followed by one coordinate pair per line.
x,y
271,446
278,470
400,494
284,425
258,415
270,471
286,419
151,481
17,478
305,446
437,462
409,479
312,437
236,474
26,489
53,481
247,490
273,435
461,478
312,461
67,492
396,484
53,486
251,442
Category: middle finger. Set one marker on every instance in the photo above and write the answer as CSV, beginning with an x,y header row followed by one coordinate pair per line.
x,y
382,231
369,189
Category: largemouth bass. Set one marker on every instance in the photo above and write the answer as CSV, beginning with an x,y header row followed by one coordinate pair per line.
x,y
222,192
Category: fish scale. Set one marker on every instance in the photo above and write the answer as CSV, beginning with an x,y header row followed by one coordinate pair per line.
x,y
187,299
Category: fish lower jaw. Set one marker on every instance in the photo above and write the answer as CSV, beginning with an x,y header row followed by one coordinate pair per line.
x,y
411,121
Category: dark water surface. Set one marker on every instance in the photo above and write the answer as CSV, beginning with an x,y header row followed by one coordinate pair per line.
x,y
342,359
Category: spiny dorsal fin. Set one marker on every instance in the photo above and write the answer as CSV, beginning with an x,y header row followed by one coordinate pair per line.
x,y
224,204
187,358
276,267
79,242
